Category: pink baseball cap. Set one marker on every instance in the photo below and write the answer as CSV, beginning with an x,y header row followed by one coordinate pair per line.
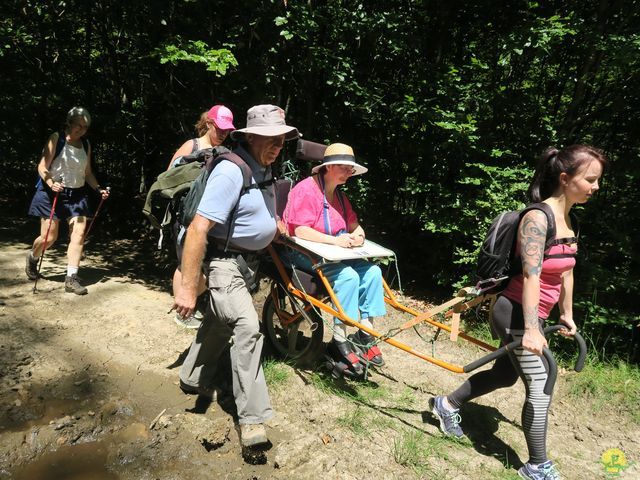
x,y
222,117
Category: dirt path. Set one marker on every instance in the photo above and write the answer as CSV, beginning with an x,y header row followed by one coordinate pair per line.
x,y
89,389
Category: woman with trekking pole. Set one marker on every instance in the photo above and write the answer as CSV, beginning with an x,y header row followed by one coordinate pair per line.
x,y
62,194
564,178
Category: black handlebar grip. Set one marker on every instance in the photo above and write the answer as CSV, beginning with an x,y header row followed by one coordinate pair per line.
x,y
491,356
553,371
582,346
553,368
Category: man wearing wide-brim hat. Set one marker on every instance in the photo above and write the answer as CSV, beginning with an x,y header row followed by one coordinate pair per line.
x,y
247,219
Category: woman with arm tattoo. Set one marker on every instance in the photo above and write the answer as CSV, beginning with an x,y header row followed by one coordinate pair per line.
x,y
563,178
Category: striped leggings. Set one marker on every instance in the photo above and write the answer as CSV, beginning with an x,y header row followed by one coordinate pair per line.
x,y
508,325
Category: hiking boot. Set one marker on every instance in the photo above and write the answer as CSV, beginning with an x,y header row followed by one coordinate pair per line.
x,y
362,344
252,435
344,360
542,471
32,267
208,392
72,285
449,420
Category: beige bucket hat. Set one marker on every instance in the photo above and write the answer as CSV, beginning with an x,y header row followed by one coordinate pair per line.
x,y
268,121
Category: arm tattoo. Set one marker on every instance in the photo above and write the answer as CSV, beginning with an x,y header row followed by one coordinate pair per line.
x,y
533,233
530,316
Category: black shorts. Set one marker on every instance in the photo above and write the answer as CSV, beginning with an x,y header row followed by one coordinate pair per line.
x,y
72,202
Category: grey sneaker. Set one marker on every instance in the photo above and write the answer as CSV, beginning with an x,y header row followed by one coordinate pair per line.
x,y
253,435
542,471
193,321
72,285
32,267
449,420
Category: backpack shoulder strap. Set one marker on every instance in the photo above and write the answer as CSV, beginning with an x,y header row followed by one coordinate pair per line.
x,y
62,140
60,144
551,221
247,174
575,224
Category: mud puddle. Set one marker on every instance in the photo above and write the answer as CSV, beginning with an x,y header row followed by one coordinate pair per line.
x,y
82,461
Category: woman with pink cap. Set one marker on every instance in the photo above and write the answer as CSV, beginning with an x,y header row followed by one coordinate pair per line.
x,y
213,128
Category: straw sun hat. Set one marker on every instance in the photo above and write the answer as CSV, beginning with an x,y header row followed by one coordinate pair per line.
x,y
340,154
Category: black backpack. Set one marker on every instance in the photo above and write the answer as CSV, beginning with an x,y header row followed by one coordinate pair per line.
x,y
497,262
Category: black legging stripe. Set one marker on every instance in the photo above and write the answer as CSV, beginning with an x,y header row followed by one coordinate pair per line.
x,y
508,325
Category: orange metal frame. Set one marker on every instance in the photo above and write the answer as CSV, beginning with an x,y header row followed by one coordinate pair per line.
x,y
457,304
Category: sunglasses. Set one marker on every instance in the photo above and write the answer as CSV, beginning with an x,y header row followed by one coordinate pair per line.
x,y
347,168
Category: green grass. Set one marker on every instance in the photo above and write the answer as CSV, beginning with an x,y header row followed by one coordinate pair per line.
x,y
409,450
276,373
370,392
406,399
506,473
614,385
481,330
413,449
357,420
327,385
365,392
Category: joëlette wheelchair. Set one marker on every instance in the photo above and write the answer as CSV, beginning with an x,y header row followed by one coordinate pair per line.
x,y
292,312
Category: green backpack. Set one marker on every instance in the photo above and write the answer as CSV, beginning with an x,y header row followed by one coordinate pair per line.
x,y
176,193
164,196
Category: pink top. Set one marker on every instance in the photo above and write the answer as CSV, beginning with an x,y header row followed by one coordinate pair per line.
x,y
550,279
305,208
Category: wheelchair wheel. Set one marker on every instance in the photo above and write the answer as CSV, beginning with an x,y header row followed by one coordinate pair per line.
x,y
300,340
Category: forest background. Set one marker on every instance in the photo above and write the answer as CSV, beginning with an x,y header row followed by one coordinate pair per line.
x,y
448,103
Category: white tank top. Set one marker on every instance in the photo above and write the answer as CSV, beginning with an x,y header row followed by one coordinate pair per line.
x,y
70,166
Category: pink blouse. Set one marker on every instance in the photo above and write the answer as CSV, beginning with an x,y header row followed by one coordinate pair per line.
x,y
305,208
550,280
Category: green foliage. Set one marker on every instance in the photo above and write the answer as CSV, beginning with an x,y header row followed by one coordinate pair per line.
x,y
197,51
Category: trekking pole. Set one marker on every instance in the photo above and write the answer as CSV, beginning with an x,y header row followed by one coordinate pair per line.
x,y
46,237
86,234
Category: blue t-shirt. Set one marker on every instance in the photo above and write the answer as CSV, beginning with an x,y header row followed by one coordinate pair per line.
x,y
255,222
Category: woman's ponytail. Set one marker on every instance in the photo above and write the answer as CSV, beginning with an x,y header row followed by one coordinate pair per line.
x,y
546,178
201,125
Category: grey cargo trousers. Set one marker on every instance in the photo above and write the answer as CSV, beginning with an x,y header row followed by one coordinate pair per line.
x,y
231,316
